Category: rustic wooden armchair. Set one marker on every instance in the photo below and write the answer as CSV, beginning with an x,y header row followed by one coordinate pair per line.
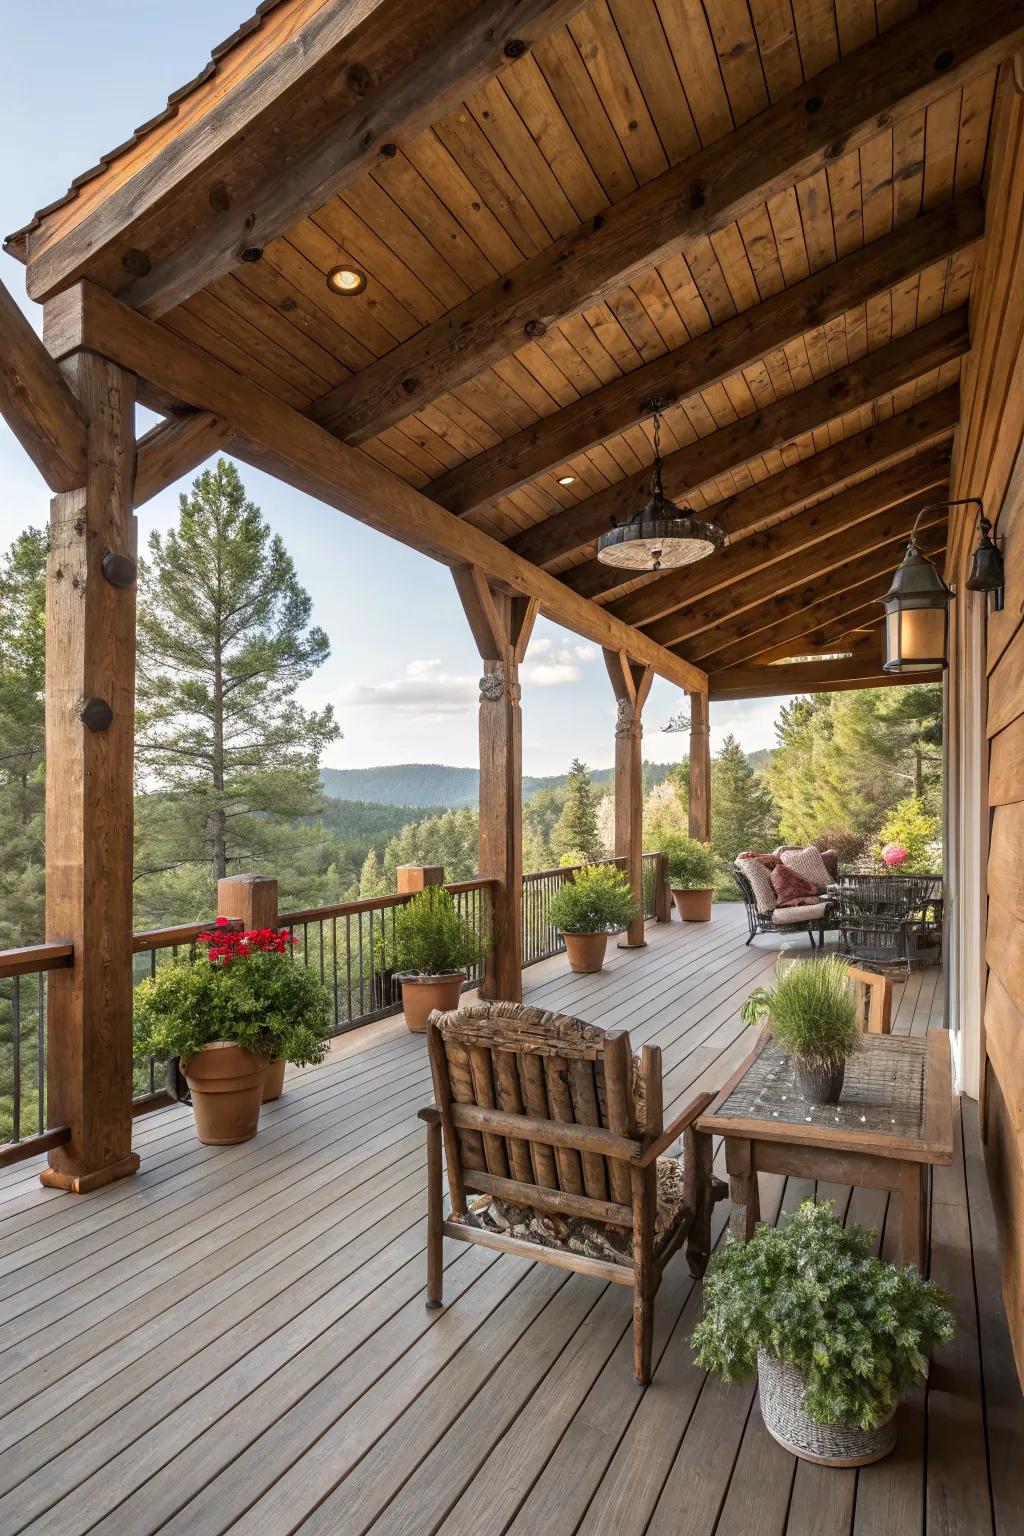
x,y
873,994
556,1121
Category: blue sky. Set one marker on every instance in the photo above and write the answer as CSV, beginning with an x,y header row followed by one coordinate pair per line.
x,y
75,79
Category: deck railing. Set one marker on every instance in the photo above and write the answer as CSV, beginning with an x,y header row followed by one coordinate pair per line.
x,y
541,939
352,947
23,975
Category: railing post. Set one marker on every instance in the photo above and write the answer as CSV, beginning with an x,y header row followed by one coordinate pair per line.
x,y
252,898
662,892
90,745
631,684
410,878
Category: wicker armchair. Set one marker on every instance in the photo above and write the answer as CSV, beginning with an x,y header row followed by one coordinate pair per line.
x,y
781,919
560,1130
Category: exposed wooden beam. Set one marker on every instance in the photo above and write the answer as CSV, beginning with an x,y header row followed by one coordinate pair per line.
x,y
727,617
899,73
857,384
848,627
824,521
309,118
855,544
882,444
37,405
712,357
291,446
810,677
175,447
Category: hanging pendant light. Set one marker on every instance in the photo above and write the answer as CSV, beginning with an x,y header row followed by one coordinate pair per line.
x,y
916,613
663,536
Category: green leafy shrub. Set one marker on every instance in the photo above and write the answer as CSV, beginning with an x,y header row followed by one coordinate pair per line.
x,y
257,997
910,825
432,938
598,900
810,1009
843,841
692,865
859,1330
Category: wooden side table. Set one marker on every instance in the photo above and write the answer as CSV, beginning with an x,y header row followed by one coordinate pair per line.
x,y
893,1123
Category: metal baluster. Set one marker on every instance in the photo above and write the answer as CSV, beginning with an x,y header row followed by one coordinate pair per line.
x,y
334,963
16,1055
348,963
41,1051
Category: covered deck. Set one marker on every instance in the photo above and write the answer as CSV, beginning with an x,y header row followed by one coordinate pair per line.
x,y
237,1338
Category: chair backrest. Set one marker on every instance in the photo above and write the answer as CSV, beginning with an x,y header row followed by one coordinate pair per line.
x,y
548,1068
874,1000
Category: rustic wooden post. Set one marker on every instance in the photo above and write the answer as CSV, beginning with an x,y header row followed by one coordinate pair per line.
x,y
90,741
631,684
501,627
662,890
253,898
700,768
410,878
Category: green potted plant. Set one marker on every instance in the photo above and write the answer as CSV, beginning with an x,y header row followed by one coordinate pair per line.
x,y
597,901
836,1335
691,876
812,1015
230,1015
434,945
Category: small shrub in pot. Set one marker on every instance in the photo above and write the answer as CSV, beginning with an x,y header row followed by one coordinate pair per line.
x,y
836,1335
812,1015
692,872
239,1006
585,910
434,945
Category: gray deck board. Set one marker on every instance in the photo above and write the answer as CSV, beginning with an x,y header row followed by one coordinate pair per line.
x,y
235,1340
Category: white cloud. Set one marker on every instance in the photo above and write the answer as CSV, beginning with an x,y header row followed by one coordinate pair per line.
x,y
422,690
585,652
550,674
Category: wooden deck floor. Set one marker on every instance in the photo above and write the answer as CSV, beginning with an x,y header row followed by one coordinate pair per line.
x,y
236,1339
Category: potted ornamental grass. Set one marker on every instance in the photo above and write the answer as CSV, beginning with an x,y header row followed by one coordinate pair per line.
x,y
595,902
691,872
433,947
836,1335
233,1016
812,1015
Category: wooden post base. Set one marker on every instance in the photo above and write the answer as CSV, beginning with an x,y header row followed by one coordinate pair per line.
x,y
84,1183
629,944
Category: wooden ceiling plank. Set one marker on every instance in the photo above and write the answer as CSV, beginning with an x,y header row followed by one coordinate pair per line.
x,y
37,404
175,447
892,77
297,450
712,357
453,60
858,384
807,568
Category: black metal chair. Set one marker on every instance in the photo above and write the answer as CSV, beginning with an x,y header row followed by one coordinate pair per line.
x,y
764,922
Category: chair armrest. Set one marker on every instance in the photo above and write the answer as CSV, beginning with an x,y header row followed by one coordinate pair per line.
x,y
430,1113
672,1132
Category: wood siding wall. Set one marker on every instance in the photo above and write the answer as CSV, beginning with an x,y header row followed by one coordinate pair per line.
x,y
989,462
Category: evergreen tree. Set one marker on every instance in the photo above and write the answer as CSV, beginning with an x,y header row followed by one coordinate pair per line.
x,y
22,775
743,814
229,760
576,829
372,879
451,840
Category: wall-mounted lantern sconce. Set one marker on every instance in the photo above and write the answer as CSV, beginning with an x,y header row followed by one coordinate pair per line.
x,y
916,613
987,573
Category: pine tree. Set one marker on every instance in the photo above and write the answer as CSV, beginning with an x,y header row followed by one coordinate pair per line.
x,y
372,879
229,760
576,829
743,814
22,774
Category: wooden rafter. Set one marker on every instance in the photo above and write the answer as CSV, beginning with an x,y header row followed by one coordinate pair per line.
x,y
860,671
840,517
712,357
175,447
303,454
847,628
857,384
351,82
880,445
895,75
37,404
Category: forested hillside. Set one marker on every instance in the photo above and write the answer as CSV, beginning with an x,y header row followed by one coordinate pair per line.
x,y
440,786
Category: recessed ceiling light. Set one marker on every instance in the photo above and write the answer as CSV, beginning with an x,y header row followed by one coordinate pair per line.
x,y
346,281
567,479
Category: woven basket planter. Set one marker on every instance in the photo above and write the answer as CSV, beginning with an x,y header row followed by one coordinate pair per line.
x,y
781,1390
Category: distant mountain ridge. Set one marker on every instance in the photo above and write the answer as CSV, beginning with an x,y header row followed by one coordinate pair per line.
x,y
440,786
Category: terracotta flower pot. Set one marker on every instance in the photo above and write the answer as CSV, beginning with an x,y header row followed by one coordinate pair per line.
x,y
422,994
273,1081
694,906
226,1084
585,951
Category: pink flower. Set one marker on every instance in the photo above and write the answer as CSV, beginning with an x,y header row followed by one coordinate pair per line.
x,y
893,853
